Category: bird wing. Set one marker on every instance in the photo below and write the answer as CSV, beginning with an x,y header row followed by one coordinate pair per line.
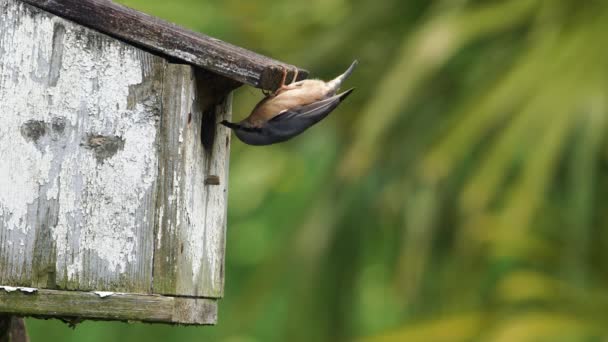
x,y
287,124
312,112
296,120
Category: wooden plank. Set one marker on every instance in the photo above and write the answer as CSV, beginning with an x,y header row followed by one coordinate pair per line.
x,y
191,215
114,172
109,306
80,113
12,329
171,40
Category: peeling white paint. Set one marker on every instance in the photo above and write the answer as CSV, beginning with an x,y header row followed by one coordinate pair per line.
x,y
205,209
194,202
28,289
10,289
53,191
99,204
159,235
98,210
23,166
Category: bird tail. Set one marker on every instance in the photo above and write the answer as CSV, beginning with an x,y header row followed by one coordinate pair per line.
x,y
345,94
336,83
230,124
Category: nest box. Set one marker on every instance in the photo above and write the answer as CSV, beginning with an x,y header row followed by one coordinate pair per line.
x,y
113,170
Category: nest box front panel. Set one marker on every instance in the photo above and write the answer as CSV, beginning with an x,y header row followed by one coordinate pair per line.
x,y
104,183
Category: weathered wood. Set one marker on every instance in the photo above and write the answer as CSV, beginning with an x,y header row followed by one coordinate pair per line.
x,y
110,306
80,117
103,179
12,329
171,40
192,216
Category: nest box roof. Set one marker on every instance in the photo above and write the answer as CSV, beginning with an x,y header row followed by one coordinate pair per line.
x,y
172,41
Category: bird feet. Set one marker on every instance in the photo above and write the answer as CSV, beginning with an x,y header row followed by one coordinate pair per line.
x,y
283,86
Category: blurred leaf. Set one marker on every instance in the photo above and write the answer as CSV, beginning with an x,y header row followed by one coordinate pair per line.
x,y
544,327
463,327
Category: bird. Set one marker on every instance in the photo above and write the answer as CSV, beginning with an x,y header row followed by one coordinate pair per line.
x,y
291,109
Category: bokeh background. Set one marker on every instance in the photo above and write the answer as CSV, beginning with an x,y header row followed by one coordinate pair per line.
x,y
459,194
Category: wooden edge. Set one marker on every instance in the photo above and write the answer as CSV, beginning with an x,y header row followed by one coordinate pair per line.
x,y
69,305
12,328
171,40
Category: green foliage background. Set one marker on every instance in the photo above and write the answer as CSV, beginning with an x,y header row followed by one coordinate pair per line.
x,y
459,195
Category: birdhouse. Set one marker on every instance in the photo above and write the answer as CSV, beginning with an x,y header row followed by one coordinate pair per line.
x,y
113,170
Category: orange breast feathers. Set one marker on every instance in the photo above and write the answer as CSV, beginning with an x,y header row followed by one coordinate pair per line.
x,y
295,95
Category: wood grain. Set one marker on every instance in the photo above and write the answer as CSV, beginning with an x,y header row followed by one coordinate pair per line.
x,y
171,40
117,306
188,257
80,116
12,329
106,155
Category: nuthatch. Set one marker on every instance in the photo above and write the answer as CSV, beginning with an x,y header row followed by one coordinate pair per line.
x,y
290,110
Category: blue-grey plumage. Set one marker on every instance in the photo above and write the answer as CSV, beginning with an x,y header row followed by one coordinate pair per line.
x,y
291,110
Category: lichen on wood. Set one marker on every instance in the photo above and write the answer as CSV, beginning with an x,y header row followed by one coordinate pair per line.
x,y
102,173
188,257
65,198
125,306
